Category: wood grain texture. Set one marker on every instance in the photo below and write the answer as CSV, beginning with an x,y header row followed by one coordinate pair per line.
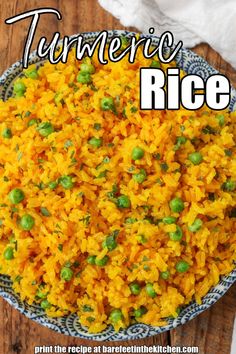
x,y
212,330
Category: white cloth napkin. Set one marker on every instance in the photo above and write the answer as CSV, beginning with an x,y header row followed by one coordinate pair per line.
x,y
192,21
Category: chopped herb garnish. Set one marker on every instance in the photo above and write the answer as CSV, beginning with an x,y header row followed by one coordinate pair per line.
x,y
211,196
146,267
164,166
27,114
86,219
45,212
157,156
68,143
124,113
87,308
208,130
102,174
90,319
114,191
60,247
130,220
41,185
76,264
93,88
131,168
228,152
19,155
106,159
232,213
142,239
133,109
145,259
97,126
73,161
18,278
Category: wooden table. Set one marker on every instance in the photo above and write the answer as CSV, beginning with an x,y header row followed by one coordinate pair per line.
x,y
212,330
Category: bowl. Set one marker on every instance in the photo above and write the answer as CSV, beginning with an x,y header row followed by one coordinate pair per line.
x,y
69,325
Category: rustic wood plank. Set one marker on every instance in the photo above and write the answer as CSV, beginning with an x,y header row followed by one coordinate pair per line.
x,y
212,330
19,334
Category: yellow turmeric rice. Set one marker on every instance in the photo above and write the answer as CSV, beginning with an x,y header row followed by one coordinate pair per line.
x,y
117,214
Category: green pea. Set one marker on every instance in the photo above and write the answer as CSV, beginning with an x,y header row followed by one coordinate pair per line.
x,y
91,260
140,312
88,68
107,104
110,243
45,129
176,235
52,185
150,290
137,153
195,158
8,253
123,202
221,119
16,196
31,73
182,266
66,182
176,205
116,316
84,77
165,275
95,142
19,88
45,304
155,64
140,177
27,222
66,273
135,288
169,220
102,262
7,134
196,225
229,186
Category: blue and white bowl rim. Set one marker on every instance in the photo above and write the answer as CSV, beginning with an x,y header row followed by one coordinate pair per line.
x,y
69,325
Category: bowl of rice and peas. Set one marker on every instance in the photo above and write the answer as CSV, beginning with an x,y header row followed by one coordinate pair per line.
x,y
116,223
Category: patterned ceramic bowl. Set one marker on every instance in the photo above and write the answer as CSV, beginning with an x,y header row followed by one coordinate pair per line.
x,y
70,325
